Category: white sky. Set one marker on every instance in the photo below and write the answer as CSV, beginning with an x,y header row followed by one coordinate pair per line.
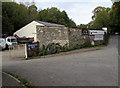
x,y
80,11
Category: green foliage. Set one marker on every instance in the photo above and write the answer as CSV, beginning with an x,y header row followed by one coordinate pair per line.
x,y
32,13
115,17
42,51
54,15
15,16
22,80
101,17
53,48
107,17
82,26
7,25
87,44
106,39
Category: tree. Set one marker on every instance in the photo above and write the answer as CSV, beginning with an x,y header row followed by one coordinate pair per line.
x,y
82,26
54,15
15,16
115,17
32,12
97,10
7,26
101,17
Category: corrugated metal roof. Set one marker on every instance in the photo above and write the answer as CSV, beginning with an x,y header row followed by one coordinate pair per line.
x,y
49,24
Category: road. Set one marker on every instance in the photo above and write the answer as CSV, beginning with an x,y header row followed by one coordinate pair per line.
x,y
95,68
10,81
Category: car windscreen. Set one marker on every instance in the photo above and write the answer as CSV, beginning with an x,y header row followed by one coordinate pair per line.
x,y
12,40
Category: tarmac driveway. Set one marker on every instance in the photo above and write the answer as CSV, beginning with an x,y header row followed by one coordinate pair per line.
x,y
95,68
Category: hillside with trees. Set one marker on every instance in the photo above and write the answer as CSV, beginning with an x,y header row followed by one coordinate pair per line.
x,y
115,17
105,17
15,16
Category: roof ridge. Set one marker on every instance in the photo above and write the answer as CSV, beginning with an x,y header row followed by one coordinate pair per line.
x,y
48,23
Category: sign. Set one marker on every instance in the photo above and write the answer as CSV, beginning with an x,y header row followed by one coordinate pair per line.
x,y
31,49
85,32
96,32
98,37
32,46
92,37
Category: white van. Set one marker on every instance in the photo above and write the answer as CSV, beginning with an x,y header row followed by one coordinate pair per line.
x,y
11,41
7,42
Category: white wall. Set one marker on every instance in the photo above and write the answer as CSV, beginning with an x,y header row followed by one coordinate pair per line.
x,y
29,30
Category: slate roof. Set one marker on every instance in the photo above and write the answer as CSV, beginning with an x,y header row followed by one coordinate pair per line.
x,y
49,24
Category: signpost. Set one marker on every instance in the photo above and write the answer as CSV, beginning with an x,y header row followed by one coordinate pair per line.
x,y
98,37
96,34
31,49
85,32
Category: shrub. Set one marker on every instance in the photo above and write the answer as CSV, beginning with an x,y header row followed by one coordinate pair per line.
x,y
106,39
42,51
86,44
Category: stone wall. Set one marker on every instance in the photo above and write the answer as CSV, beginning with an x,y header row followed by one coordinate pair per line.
x,y
63,35
46,35
75,37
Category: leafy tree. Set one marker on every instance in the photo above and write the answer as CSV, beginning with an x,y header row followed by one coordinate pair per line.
x,y
101,17
7,13
97,10
7,25
115,17
32,12
56,16
82,26
14,16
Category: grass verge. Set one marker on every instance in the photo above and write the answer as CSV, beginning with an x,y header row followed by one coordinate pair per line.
x,y
22,80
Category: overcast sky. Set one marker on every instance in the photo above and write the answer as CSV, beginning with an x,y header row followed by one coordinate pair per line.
x,y
80,11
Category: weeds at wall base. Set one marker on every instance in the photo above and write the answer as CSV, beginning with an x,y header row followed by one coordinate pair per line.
x,y
56,48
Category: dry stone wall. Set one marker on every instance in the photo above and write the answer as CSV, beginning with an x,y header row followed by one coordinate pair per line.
x,y
75,37
63,35
46,35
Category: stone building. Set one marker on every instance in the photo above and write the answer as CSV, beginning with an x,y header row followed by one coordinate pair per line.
x,y
46,33
63,35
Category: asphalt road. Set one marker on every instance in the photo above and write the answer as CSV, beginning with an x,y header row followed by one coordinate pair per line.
x,y
10,81
95,68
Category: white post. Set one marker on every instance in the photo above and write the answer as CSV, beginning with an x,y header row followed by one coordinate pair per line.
x,y
26,55
92,42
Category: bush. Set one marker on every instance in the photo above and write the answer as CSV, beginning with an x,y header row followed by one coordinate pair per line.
x,y
106,39
86,44
42,51
53,48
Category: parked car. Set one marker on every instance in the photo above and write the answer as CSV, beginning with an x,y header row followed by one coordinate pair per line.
x,y
11,41
7,42
116,33
2,43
